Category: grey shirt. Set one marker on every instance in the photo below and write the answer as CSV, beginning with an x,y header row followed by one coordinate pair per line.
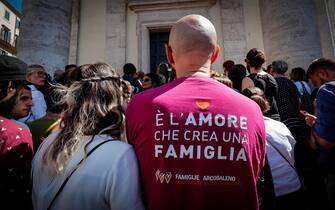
x,y
107,179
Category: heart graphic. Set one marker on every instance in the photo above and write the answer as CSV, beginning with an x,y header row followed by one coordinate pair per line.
x,y
202,103
157,174
161,177
168,177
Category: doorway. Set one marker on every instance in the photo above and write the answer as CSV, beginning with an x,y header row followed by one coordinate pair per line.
x,y
158,39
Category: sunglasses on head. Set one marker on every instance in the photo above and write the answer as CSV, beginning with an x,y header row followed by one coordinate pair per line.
x,y
146,80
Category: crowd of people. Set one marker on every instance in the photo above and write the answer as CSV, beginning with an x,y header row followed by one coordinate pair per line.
x,y
246,137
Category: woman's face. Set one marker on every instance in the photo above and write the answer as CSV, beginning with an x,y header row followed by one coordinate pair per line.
x,y
146,82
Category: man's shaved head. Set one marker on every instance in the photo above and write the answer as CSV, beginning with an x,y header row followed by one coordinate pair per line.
x,y
193,33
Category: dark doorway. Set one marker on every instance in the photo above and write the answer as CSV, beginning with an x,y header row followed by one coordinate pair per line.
x,y
158,39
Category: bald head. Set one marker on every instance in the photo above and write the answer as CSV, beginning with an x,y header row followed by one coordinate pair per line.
x,y
193,33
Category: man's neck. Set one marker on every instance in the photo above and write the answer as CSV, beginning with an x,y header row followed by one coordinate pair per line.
x,y
196,72
278,75
255,70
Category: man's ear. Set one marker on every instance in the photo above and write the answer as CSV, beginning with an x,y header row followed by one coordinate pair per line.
x,y
168,52
215,54
323,74
28,77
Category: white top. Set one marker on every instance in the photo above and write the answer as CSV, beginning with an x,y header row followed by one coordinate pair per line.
x,y
39,107
285,178
107,179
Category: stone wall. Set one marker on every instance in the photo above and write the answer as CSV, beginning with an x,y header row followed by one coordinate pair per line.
x,y
330,5
73,48
45,32
116,34
233,30
290,31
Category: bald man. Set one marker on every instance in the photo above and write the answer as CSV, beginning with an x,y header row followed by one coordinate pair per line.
x,y
200,144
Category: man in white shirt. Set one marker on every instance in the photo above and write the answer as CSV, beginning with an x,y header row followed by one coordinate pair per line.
x,y
36,75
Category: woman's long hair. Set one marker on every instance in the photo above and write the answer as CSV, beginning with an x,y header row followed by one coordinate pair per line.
x,y
92,104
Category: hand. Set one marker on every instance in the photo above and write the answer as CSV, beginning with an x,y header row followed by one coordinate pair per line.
x,y
309,118
10,93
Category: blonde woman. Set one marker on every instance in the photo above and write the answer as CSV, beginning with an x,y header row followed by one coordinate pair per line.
x,y
87,164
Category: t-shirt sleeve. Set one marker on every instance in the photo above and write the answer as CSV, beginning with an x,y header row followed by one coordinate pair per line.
x,y
124,192
325,124
263,142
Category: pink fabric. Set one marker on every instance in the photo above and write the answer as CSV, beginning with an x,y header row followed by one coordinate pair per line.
x,y
16,153
199,143
13,134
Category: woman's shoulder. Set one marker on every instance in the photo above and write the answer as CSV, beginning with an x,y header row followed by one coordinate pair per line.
x,y
275,126
109,146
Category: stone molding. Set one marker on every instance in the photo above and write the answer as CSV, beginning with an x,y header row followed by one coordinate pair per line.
x,y
157,20
166,5
144,41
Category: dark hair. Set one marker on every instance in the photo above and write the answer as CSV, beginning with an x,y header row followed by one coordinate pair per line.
x,y
258,96
71,76
154,79
67,67
52,100
7,105
228,64
173,75
279,66
255,57
298,74
129,69
321,63
163,66
163,69
236,75
268,68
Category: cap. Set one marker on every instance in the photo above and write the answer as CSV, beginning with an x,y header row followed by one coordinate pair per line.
x,y
12,68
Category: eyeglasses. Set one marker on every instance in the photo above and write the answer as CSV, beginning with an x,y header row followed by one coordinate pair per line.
x,y
40,73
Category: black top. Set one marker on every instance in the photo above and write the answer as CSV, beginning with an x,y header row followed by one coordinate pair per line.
x,y
133,82
15,178
268,84
288,98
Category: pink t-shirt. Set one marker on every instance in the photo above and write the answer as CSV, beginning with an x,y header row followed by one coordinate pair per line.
x,y
16,153
199,143
12,135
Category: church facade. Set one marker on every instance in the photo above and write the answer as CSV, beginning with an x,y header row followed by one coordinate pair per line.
x,y
56,33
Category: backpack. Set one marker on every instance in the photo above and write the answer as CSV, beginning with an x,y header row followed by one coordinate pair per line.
x,y
305,100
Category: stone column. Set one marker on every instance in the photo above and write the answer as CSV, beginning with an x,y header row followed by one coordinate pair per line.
x,y
45,33
233,30
74,37
116,34
330,9
290,31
